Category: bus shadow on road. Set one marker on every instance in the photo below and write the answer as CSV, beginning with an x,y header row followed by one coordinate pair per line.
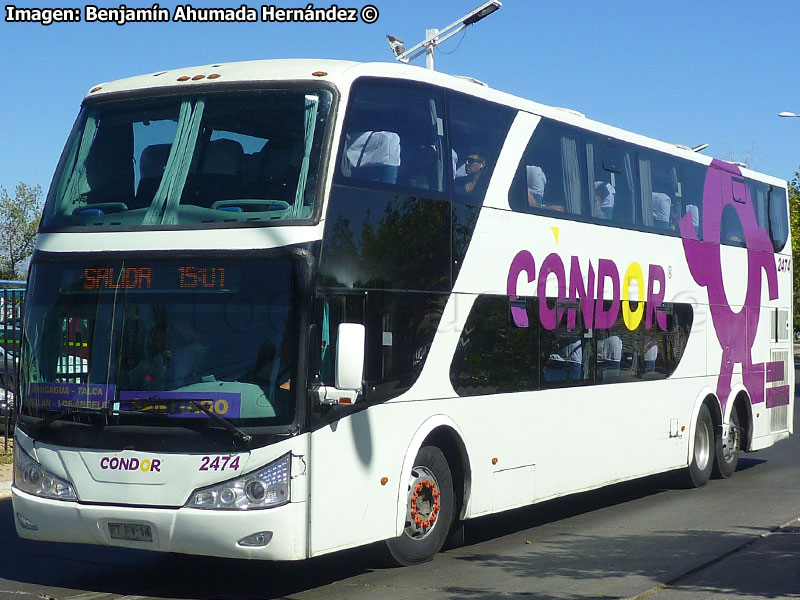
x,y
119,571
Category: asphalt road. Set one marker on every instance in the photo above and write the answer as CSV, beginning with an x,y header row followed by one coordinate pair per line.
x,y
738,538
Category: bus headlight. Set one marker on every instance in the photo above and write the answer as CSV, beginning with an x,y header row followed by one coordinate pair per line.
x,y
266,488
33,478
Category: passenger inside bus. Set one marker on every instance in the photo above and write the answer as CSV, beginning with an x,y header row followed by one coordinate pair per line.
x,y
731,229
472,182
609,357
537,181
603,199
662,206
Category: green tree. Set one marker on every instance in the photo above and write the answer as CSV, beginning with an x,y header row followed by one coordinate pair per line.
x,y
794,221
19,220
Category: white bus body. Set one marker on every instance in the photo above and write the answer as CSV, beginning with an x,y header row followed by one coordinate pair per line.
x,y
536,321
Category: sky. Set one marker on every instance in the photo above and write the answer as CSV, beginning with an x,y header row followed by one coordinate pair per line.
x,y
684,71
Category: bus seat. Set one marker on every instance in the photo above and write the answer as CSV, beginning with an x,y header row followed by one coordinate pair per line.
x,y
151,168
373,155
281,168
220,173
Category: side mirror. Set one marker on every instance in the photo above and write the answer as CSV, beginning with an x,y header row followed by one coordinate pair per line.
x,y
350,356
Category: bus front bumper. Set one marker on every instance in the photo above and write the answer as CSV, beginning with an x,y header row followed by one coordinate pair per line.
x,y
181,530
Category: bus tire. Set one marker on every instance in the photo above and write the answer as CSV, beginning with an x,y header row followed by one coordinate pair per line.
x,y
726,449
429,510
698,472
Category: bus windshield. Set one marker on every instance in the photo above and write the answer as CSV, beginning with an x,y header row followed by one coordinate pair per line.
x,y
161,343
218,158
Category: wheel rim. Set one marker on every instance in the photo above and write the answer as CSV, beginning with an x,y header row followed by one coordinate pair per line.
x,y
730,443
423,503
702,445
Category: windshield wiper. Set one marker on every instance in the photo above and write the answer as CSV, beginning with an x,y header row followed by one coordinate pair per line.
x,y
225,423
61,415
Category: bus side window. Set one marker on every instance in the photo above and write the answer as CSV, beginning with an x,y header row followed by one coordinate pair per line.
x,y
612,180
330,312
567,352
694,182
477,131
550,175
731,233
758,196
400,331
394,135
661,192
778,218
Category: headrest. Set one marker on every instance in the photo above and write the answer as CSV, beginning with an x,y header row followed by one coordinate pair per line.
x,y
223,157
153,160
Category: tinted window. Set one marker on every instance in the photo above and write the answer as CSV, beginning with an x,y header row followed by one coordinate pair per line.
x,y
496,355
695,178
612,182
382,239
778,219
731,233
493,354
661,192
758,196
550,175
394,135
477,131
400,331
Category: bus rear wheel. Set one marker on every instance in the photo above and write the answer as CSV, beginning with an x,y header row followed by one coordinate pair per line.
x,y
429,510
698,472
726,448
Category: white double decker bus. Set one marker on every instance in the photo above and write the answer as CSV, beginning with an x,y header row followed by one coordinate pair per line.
x,y
282,308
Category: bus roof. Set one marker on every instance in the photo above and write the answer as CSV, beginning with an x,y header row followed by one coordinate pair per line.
x,y
342,73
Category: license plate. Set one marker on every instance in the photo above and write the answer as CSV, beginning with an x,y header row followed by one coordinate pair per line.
x,y
131,532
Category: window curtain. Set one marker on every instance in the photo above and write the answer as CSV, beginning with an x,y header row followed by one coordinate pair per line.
x,y
629,177
164,208
77,180
309,127
572,175
646,185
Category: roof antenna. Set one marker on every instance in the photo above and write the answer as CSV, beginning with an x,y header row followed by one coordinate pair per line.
x,y
434,37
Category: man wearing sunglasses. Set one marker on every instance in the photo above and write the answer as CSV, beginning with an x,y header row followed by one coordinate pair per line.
x,y
471,182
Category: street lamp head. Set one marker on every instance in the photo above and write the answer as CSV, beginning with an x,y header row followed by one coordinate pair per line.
x,y
787,114
483,12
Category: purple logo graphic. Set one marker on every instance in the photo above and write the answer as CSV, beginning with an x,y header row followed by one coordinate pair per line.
x,y
736,331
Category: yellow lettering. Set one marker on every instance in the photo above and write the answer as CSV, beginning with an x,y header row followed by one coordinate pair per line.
x,y
633,318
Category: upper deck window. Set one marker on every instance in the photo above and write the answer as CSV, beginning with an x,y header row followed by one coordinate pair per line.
x,y
224,158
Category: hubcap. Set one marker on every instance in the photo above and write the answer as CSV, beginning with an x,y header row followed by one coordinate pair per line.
x,y
730,443
423,503
702,445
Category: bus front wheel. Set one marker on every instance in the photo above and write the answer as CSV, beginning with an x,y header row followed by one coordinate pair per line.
x,y
726,448
429,509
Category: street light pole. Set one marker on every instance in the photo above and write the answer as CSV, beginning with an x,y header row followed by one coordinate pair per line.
x,y
434,37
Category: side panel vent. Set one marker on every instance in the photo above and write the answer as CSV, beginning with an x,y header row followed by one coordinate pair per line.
x,y
779,418
778,394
